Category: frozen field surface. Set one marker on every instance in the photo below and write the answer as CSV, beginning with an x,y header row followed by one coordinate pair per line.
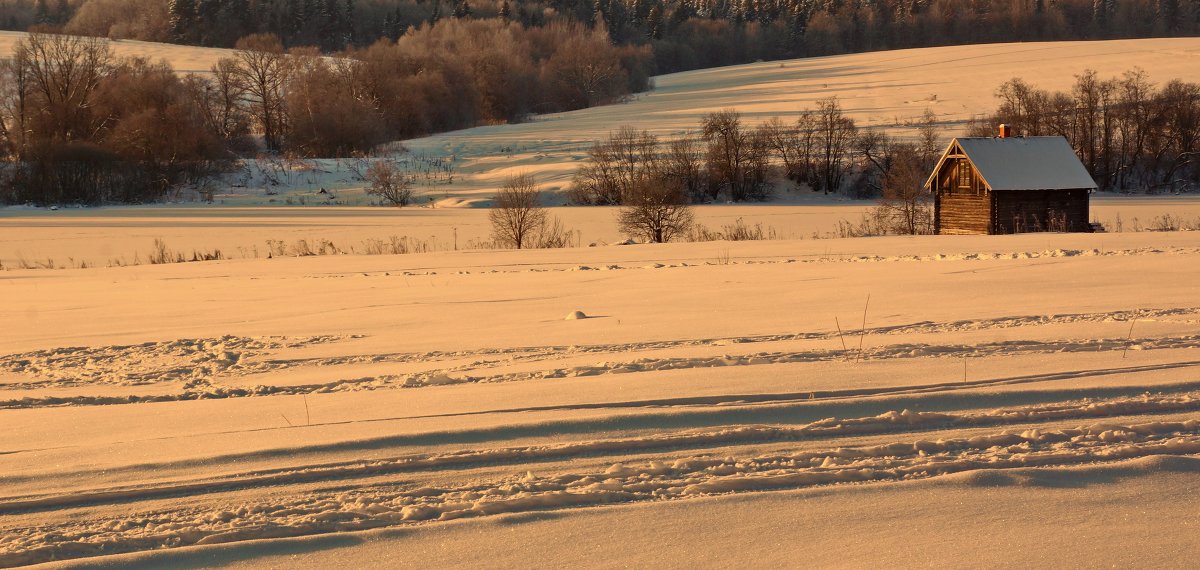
x,y
126,235
925,401
1016,398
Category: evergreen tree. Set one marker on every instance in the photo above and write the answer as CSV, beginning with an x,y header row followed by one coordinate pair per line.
x,y
1166,16
389,23
437,12
799,25
654,23
183,20
349,37
505,10
1100,14
41,12
678,16
207,22
62,12
234,21
635,11
463,10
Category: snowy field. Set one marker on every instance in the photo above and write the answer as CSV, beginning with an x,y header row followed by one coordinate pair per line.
x,y
944,401
1014,399
70,237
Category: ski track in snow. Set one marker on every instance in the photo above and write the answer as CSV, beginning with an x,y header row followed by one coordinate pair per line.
x,y
150,362
193,363
351,496
817,258
396,503
666,448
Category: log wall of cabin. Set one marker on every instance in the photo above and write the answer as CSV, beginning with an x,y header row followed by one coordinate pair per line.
x,y
964,214
1019,211
961,209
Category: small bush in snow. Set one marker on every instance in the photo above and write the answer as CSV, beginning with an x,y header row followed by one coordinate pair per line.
x,y
389,184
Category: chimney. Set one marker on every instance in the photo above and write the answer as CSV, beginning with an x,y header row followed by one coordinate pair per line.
x,y
1004,131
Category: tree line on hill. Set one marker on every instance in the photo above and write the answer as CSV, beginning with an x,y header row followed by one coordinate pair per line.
x,y
78,125
1130,134
822,149
684,34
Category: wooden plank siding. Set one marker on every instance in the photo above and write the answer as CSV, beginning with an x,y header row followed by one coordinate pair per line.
x,y
961,209
964,214
1022,211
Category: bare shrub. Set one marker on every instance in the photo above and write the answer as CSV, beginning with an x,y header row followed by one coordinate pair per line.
x,y
519,220
553,234
389,184
657,212
163,254
737,231
1173,223
872,223
517,214
212,255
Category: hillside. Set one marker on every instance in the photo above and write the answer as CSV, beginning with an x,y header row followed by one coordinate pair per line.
x,y
876,89
880,89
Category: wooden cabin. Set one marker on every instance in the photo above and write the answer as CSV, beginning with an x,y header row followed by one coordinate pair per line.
x,y
1008,185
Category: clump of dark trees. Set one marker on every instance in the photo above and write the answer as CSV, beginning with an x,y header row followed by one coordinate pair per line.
x,y
821,149
78,125
1130,134
727,160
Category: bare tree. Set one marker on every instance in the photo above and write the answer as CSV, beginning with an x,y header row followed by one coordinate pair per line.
x,y
626,160
929,139
221,100
877,149
54,75
657,212
517,215
784,140
14,102
735,157
389,183
835,134
585,72
683,164
263,69
906,206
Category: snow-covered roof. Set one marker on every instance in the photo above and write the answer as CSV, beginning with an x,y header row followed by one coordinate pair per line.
x,y
1024,163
